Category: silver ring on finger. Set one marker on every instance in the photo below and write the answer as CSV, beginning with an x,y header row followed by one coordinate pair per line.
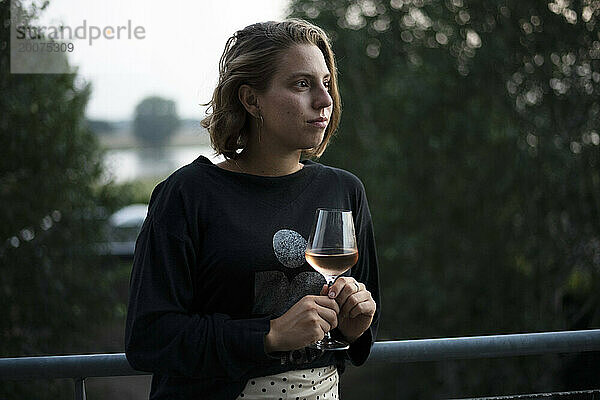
x,y
357,287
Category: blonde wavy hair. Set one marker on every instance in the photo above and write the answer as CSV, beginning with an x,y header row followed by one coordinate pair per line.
x,y
250,58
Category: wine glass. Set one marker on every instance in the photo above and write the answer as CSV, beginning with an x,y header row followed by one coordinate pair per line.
x,y
331,250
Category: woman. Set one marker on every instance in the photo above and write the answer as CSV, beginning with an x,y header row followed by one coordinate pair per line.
x,y
223,304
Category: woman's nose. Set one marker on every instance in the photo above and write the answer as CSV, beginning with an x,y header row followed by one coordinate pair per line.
x,y
322,97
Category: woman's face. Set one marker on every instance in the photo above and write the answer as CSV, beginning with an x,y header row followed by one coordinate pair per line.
x,y
296,106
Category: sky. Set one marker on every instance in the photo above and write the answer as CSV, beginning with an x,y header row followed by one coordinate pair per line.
x,y
175,53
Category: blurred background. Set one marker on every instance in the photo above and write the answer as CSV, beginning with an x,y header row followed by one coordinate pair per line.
x,y
475,126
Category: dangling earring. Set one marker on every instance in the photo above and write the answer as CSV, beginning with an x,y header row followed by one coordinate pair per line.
x,y
260,125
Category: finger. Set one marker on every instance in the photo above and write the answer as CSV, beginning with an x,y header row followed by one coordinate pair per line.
x,y
328,316
365,308
324,326
327,303
349,288
339,285
353,300
336,287
324,290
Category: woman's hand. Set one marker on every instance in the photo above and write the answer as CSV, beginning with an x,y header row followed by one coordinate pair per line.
x,y
304,323
357,307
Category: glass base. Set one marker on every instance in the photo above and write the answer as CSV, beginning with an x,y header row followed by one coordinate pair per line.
x,y
330,344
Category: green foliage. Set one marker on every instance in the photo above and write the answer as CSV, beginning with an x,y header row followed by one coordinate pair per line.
x,y
474,125
155,120
137,191
54,289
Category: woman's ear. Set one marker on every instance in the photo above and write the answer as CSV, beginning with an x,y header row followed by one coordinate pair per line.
x,y
249,99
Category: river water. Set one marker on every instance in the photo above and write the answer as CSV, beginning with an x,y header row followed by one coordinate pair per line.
x,y
124,165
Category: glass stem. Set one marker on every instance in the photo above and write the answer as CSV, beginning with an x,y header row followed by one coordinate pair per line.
x,y
330,281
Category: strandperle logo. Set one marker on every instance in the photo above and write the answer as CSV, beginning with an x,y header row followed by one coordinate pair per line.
x,y
38,48
80,32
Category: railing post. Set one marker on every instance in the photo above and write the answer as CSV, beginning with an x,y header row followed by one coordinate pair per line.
x,y
79,388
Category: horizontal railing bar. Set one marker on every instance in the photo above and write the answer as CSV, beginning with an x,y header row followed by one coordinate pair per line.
x,y
75,366
118,249
578,394
492,346
401,351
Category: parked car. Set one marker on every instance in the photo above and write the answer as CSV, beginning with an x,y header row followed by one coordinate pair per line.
x,y
125,225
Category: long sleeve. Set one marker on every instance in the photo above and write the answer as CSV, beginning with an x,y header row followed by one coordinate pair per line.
x,y
365,271
164,334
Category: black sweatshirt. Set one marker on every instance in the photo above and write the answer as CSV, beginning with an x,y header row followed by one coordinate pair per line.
x,y
220,254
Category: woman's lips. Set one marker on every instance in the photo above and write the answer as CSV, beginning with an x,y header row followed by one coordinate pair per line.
x,y
319,122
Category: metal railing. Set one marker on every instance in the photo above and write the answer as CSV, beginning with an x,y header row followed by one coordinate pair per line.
x,y
80,367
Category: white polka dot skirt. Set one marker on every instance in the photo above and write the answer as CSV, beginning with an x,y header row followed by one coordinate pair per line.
x,y
305,384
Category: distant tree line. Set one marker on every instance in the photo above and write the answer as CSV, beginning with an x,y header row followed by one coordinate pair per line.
x,y
155,121
100,127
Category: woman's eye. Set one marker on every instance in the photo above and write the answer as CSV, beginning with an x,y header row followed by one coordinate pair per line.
x,y
327,84
302,83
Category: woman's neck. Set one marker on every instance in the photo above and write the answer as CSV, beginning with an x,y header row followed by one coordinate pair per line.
x,y
257,160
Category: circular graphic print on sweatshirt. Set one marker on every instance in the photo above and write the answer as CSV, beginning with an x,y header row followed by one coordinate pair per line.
x,y
289,247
